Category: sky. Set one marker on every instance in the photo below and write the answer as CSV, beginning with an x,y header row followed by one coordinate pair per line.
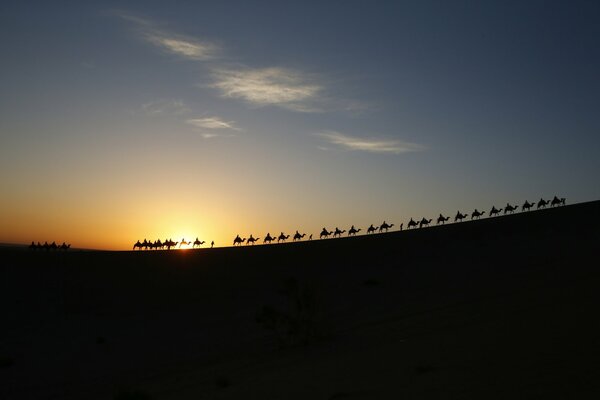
x,y
122,121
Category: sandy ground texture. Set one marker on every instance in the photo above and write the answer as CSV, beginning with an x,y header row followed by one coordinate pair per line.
x,y
502,308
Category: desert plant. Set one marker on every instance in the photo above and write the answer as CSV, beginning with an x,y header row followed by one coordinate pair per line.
x,y
297,324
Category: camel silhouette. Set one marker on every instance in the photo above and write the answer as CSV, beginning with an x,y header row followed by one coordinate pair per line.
x,y
310,237
526,206
385,226
183,243
34,246
353,231
542,203
251,240
494,211
198,243
325,233
298,236
372,229
459,216
238,240
477,214
65,246
557,202
442,219
169,243
338,232
282,237
138,245
424,222
268,238
509,209
412,224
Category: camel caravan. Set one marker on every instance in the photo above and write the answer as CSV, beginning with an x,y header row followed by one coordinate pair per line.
x,y
238,241
51,246
168,244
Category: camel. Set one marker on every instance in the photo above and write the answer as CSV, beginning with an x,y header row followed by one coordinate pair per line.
x,y
268,238
238,240
298,236
282,237
338,232
251,240
424,222
33,246
353,231
442,219
198,243
542,203
325,233
494,211
169,243
459,216
385,226
557,202
526,206
372,229
412,224
477,214
184,243
510,209
65,246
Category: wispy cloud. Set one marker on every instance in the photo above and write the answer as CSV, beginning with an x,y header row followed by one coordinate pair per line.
x,y
165,107
368,144
174,43
268,86
211,127
212,123
182,46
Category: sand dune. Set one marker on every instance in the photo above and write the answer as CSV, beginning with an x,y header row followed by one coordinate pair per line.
x,y
498,308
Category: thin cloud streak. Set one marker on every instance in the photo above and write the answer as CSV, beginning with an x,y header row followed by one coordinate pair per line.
x,y
369,145
212,123
268,87
181,45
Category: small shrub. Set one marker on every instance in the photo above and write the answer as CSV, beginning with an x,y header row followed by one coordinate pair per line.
x,y
297,324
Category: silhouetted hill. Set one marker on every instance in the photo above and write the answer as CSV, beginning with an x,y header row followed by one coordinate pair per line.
x,y
497,308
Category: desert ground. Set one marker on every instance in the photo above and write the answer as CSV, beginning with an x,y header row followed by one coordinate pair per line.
x,y
499,308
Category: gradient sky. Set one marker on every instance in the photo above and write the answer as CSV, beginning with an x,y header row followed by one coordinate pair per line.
x,y
183,119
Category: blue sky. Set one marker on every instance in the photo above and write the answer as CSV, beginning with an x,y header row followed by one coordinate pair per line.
x,y
237,117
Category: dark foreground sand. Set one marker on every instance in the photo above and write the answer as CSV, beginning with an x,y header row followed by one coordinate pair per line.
x,y
504,308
